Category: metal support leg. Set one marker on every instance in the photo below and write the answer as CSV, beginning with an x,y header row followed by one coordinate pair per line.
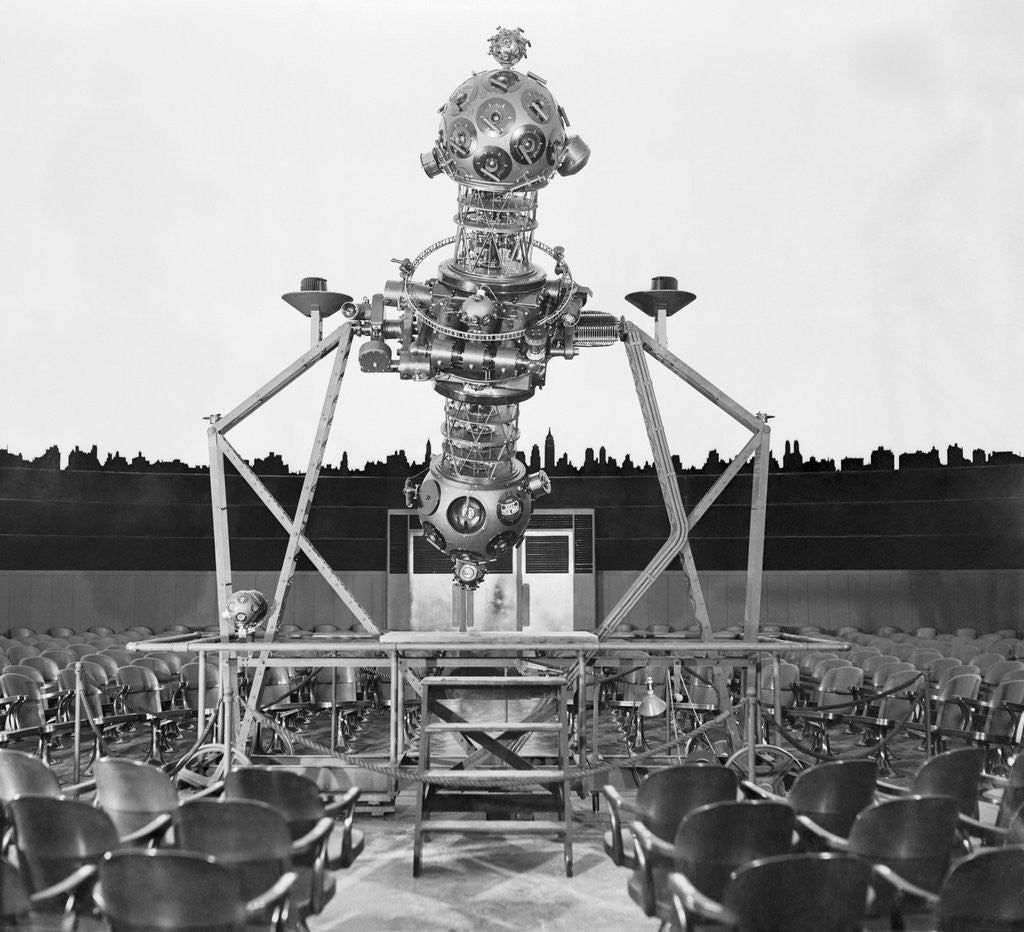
x,y
297,530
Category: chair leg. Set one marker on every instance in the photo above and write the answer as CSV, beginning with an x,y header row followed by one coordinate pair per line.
x,y
155,751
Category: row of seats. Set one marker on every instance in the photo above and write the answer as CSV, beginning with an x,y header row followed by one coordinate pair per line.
x,y
119,689
979,702
144,631
840,849
270,833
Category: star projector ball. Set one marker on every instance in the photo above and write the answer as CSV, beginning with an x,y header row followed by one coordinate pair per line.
x,y
502,130
246,610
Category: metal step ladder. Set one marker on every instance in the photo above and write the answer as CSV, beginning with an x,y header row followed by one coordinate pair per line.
x,y
494,777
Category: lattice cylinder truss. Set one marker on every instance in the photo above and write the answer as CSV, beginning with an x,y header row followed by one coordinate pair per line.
x,y
495,232
479,440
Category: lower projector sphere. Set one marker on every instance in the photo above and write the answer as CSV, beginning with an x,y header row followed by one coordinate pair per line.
x,y
475,519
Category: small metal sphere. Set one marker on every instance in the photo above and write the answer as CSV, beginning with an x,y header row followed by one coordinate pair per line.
x,y
246,609
501,130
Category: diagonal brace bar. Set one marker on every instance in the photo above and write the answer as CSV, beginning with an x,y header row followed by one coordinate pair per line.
x,y
283,379
678,528
315,557
695,380
711,496
298,526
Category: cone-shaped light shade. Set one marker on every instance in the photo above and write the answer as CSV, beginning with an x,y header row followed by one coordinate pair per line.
x,y
651,706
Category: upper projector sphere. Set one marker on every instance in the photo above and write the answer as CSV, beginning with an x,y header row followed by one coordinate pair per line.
x,y
501,130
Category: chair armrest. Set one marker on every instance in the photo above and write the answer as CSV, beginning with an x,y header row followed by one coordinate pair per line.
x,y
214,789
273,897
316,836
151,831
650,850
80,880
751,789
616,806
616,802
655,849
346,804
905,886
807,827
686,898
991,833
891,789
346,807
76,789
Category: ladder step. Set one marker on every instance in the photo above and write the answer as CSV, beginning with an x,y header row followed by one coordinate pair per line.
x,y
483,777
494,726
493,681
494,827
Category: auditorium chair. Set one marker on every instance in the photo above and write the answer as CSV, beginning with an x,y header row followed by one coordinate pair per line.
x,y
170,681
701,700
59,843
80,650
21,632
1012,796
910,842
20,774
143,630
190,682
898,705
791,892
662,800
252,840
62,656
996,724
827,797
174,661
19,652
708,845
142,696
939,666
26,714
297,798
137,796
177,891
809,658
102,630
996,673
957,774
337,687
921,656
277,699
872,663
48,668
965,652
983,891
108,663
788,685
837,687
121,657
821,667
984,659
858,655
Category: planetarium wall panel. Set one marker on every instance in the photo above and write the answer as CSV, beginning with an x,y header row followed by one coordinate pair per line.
x,y
985,599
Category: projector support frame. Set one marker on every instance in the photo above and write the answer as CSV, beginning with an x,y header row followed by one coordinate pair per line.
x,y
339,342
